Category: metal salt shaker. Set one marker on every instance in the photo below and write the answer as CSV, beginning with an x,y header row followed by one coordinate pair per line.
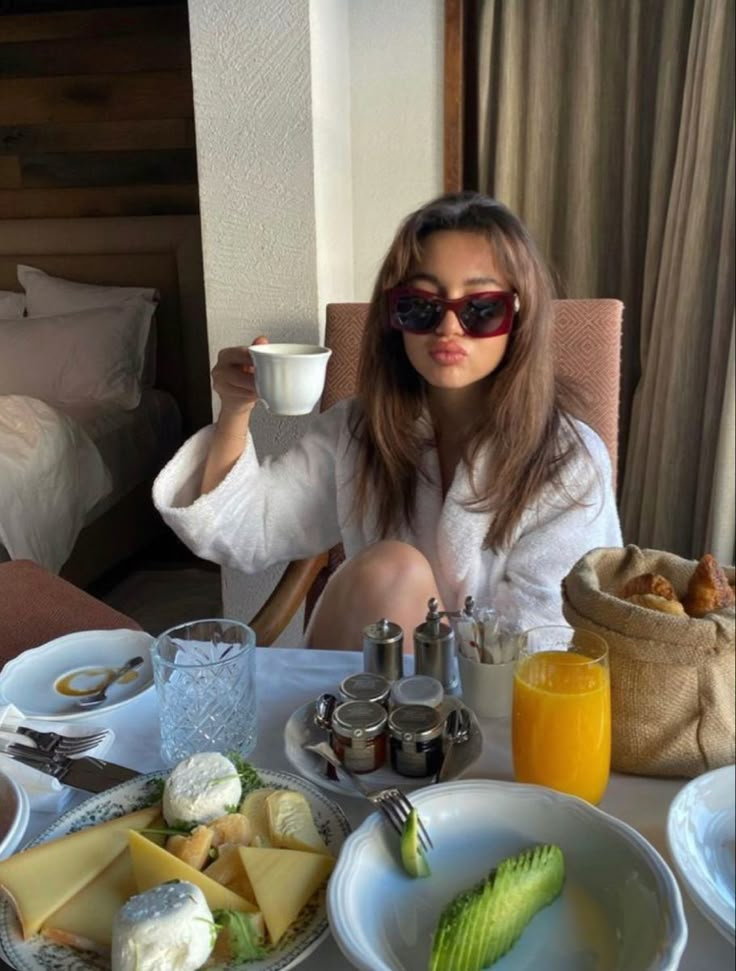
x,y
434,650
383,649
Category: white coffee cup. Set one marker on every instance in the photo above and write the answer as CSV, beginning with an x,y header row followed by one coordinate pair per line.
x,y
290,377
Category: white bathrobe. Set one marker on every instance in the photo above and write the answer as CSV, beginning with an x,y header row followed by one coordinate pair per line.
x,y
300,504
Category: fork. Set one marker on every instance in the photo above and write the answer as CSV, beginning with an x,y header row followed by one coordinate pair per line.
x,y
52,743
393,803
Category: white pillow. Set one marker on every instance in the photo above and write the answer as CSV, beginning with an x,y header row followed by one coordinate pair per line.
x,y
51,295
93,355
47,295
12,304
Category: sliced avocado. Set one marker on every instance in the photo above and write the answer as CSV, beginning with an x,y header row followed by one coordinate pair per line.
x,y
412,855
481,924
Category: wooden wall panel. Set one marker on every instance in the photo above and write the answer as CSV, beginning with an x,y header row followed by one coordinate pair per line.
x,y
116,55
113,136
113,200
96,113
102,22
88,98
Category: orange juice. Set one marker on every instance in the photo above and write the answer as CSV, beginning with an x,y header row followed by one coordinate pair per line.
x,y
561,723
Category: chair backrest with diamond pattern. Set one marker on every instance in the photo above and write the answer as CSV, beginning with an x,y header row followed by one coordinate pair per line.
x,y
587,352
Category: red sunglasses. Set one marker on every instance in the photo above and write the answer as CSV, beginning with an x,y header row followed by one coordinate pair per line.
x,y
487,314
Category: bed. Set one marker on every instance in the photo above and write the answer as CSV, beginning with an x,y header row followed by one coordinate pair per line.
x,y
104,454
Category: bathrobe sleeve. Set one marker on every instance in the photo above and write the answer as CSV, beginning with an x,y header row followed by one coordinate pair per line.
x,y
262,513
566,523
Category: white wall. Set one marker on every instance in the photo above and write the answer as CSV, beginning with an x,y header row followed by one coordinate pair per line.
x,y
318,128
396,68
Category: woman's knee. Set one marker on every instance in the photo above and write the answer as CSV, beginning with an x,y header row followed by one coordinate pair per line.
x,y
386,565
389,579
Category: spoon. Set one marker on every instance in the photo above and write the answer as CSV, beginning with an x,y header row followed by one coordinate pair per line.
x,y
323,708
92,701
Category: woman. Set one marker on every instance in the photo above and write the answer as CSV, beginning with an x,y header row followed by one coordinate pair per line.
x,y
456,470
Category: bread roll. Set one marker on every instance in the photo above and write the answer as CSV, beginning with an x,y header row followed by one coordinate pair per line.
x,y
708,588
652,583
653,602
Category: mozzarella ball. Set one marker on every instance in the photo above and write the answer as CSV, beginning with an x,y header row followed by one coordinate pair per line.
x,y
200,789
169,926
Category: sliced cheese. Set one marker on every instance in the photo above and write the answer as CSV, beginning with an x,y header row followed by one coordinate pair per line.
x,y
90,913
291,824
283,881
42,879
152,866
254,808
228,870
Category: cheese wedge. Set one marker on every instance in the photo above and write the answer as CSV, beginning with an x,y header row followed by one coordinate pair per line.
x,y
283,881
228,870
290,823
152,865
90,913
42,879
254,808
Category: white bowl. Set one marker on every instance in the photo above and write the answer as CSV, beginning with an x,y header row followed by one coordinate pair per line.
x,y
14,811
701,835
620,907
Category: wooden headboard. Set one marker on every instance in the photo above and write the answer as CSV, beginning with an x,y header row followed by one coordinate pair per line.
x,y
149,251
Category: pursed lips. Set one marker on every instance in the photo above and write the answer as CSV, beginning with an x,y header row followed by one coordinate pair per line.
x,y
447,353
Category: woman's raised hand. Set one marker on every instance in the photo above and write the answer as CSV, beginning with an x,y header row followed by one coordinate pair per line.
x,y
234,381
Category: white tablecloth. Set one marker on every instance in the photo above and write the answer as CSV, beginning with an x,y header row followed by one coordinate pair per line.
x,y
288,678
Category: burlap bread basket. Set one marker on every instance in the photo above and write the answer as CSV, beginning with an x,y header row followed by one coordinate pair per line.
x,y
673,678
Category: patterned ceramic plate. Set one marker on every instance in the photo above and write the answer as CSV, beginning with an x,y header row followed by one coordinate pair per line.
x,y
38,954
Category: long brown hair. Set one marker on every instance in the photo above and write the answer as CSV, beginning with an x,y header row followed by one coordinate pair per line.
x,y
528,407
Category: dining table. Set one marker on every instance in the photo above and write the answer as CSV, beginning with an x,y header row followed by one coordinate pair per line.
x,y
287,678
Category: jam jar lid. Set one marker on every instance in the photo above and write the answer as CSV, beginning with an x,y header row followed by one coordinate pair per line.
x,y
415,723
419,689
365,687
359,719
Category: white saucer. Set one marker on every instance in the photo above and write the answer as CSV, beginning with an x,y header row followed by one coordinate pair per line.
x,y
30,681
302,730
701,835
14,813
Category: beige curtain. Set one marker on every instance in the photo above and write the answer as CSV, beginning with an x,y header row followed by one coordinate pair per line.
x,y
608,125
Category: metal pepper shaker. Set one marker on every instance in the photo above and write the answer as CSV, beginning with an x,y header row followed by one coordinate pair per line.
x,y
434,649
383,649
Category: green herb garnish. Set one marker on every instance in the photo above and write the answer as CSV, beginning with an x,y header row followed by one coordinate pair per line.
x,y
245,942
249,778
223,778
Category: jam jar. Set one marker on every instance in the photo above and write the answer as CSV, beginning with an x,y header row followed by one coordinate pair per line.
x,y
359,735
418,689
366,687
416,739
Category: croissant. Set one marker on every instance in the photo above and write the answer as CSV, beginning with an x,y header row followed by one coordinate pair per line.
x,y
652,602
653,583
708,588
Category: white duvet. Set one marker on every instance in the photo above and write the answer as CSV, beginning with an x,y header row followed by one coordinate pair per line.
x,y
51,475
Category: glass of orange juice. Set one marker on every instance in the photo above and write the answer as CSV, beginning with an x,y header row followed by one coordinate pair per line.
x,y
561,715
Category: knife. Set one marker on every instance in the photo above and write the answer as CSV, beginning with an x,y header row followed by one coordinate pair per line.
x,y
90,774
461,754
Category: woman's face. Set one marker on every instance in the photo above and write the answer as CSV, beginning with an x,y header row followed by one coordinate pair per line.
x,y
455,264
